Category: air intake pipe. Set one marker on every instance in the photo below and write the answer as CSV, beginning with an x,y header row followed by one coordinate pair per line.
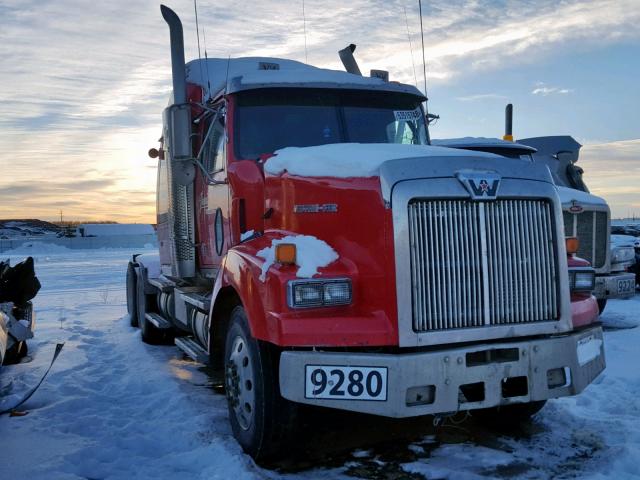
x,y
181,171
348,60
508,123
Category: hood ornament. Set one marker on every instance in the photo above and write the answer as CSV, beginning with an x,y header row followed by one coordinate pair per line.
x,y
480,185
575,207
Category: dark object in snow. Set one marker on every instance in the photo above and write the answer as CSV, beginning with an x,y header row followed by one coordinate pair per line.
x,y
18,284
16,403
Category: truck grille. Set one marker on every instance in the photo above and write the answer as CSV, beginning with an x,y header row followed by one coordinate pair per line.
x,y
591,229
456,286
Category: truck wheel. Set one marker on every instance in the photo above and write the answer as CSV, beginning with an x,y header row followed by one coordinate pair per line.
x,y
132,304
262,421
509,415
148,331
602,303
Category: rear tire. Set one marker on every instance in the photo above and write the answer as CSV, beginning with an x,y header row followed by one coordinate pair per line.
x,y
148,331
261,419
132,294
509,415
602,303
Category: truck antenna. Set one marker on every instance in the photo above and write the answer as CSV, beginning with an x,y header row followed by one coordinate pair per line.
x,y
204,35
413,62
304,26
424,63
195,8
424,73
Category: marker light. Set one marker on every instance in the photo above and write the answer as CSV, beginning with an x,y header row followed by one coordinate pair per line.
x,y
573,244
286,253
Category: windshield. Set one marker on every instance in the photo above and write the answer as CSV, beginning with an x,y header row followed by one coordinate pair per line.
x,y
268,120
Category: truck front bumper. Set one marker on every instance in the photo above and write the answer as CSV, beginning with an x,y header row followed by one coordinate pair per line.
x,y
616,285
466,378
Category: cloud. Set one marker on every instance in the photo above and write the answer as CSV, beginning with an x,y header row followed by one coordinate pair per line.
x,y
612,170
83,88
544,90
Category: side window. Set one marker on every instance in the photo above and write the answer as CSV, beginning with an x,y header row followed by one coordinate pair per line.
x,y
215,147
162,205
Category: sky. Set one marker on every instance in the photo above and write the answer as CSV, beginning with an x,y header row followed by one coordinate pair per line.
x,y
84,83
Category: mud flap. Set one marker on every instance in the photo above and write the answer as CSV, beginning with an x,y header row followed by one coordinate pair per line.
x,y
10,405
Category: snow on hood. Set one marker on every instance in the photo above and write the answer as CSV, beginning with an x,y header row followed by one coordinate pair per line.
x,y
345,160
311,254
568,195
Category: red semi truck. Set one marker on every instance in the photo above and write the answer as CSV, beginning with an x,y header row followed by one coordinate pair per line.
x,y
318,249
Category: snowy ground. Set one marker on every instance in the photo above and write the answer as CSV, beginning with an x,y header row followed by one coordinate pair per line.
x,y
113,407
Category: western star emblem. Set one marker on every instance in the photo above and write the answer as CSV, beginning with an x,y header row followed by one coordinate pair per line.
x,y
481,185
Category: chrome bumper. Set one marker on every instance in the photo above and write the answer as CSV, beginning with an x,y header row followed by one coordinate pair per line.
x,y
448,373
607,285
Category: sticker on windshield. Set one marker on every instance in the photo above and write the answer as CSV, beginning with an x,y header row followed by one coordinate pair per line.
x,y
407,115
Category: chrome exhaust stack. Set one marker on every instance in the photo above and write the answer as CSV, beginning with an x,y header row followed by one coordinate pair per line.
x,y
181,170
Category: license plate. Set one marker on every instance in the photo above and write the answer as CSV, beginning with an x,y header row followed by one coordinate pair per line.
x,y
588,349
338,382
626,286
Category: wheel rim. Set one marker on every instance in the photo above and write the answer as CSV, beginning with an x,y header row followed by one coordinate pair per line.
x,y
240,383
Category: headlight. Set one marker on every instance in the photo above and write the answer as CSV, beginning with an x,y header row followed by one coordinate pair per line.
x,y
622,254
582,280
319,293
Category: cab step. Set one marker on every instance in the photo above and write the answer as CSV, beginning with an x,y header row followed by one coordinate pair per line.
x,y
201,302
162,284
157,321
193,349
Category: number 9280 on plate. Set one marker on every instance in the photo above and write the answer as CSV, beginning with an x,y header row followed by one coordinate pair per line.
x,y
337,382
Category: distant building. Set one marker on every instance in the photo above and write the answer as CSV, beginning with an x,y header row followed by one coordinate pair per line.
x,y
114,229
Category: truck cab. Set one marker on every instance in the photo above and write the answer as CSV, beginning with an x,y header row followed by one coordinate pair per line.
x,y
318,250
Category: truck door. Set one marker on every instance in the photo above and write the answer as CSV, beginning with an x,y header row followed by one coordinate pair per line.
x,y
213,197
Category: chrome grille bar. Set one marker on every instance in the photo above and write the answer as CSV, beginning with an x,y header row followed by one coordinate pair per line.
x,y
481,263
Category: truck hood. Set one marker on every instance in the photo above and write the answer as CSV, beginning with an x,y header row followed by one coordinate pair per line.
x,y
571,196
394,163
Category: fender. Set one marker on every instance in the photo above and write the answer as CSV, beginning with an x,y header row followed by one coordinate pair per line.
x,y
241,269
270,318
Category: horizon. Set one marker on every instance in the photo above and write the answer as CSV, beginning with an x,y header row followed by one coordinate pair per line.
x,y
91,115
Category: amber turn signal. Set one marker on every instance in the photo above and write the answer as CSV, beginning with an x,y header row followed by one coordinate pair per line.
x,y
286,253
573,244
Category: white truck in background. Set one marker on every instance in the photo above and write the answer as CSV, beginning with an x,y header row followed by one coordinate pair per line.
x,y
586,216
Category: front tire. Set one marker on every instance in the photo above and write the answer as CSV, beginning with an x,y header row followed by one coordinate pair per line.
x,y
261,419
602,303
